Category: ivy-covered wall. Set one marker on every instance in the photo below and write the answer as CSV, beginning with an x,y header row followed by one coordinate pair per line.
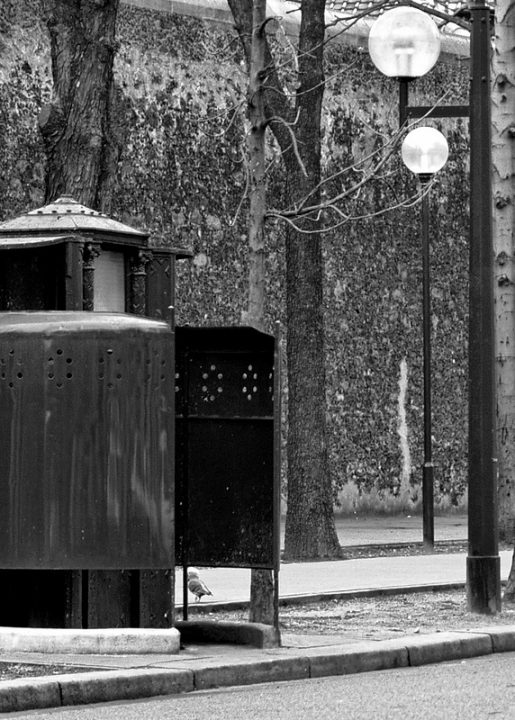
x,y
183,177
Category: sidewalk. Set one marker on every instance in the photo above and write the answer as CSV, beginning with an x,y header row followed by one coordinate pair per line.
x,y
340,578
210,666
396,529
352,577
203,666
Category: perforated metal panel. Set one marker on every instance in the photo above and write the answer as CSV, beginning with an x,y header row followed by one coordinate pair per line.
x,y
227,494
86,447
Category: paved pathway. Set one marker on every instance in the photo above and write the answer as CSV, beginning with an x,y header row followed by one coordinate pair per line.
x,y
342,576
397,529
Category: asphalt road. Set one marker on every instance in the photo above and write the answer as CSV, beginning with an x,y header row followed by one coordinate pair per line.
x,y
464,690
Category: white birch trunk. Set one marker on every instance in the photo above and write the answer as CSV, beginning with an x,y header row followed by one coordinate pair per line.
x,y
503,151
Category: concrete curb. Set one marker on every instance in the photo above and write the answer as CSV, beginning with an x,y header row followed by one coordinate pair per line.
x,y
448,646
91,687
104,686
227,633
110,641
259,671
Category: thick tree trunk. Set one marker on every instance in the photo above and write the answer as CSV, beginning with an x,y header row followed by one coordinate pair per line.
x,y
82,130
310,529
79,127
503,156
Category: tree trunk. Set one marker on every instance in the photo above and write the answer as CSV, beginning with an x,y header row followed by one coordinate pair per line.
x,y
262,584
509,590
80,129
261,608
503,130
310,529
503,157
255,314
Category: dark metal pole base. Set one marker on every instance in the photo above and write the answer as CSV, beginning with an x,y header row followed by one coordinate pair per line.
x,y
484,584
428,512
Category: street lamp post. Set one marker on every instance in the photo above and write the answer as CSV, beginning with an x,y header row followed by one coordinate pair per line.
x,y
424,152
483,562
404,43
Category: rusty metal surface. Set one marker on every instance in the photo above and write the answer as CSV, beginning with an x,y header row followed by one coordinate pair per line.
x,y
160,286
156,598
225,482
86,445
157,587
110,598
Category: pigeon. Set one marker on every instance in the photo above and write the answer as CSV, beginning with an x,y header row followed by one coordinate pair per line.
x,y
197,586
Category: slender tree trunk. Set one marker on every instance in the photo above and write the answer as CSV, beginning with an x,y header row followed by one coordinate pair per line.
x,y
262,583
509,590
255,314
261,609
80,128
503,156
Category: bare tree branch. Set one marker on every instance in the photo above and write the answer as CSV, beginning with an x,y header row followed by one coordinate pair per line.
x,y
410,202
293,145
391,144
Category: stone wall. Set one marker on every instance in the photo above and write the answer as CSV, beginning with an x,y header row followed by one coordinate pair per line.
x,y
182,176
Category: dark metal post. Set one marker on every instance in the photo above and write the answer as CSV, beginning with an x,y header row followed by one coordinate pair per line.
x,y
428,469
403,100
277,474
73,281
185,489
184,589
483,562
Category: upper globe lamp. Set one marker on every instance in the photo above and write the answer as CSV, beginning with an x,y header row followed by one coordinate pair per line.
x,y
424,151
404,43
